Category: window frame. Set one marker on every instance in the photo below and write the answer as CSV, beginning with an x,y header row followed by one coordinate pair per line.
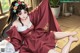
x,y
3,13
2,9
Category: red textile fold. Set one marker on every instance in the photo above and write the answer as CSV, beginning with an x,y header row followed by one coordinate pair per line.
x,y
40,17
15,38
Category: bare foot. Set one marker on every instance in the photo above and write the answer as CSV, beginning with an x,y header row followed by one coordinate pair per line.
x,y
73,33
73,39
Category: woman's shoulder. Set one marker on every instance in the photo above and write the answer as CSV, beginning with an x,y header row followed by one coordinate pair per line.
x,y
15,23
11,28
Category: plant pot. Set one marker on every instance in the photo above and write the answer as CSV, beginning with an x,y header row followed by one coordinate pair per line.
x,y
56,11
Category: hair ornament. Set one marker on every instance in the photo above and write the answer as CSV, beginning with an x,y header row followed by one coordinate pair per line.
x,y
23,4
14,11
16,4
15,7
19,2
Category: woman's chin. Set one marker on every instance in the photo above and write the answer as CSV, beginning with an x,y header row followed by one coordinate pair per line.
x,y
23,18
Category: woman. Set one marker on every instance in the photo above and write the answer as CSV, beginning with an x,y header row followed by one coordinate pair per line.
x,y
37,31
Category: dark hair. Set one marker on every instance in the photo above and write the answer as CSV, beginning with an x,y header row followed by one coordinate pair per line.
x,y
13,15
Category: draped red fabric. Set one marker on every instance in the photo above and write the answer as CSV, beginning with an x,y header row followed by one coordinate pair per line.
x,y
39,38
43,15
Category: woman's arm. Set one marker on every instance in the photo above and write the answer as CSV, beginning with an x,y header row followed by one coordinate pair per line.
x,y
15,38
43,15
16,43
37,14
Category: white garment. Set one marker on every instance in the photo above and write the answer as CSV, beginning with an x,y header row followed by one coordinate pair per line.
x,y
23,28
6,47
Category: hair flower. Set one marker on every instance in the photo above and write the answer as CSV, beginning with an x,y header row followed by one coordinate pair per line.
x,y
19,2
15,7
16,4
14,11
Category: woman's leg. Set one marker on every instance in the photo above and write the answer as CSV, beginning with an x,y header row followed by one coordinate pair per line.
x,y
66,48
60,35
52,51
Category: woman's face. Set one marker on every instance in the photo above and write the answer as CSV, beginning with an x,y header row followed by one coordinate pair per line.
x,y
23,14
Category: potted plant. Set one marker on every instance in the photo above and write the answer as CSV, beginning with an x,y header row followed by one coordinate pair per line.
x,y
55,7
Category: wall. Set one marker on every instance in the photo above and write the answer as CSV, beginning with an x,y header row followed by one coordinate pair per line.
x,y
3,22
76,7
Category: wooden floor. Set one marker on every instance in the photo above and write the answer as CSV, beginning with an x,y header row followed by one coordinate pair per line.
x,y
71,23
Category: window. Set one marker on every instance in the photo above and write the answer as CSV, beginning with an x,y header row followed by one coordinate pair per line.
x,y
11,1
28,2
21,0
5,5
0,11
0,8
